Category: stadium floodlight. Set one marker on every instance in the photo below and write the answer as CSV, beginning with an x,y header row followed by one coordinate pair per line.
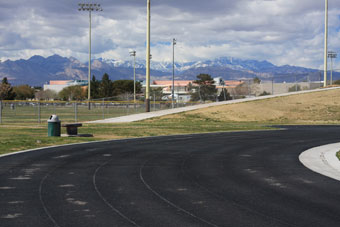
x,y
173,73
326,44
147,89
133,54
89,7
332,55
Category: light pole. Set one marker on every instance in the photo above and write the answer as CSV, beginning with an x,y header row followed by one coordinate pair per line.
x,y
326,44
133,53
332,55
89,7
173,73
148,56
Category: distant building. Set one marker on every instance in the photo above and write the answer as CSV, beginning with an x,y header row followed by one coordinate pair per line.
x,y
58,85
219,81
181,88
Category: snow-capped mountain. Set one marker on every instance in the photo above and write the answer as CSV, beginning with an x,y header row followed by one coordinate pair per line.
x,y
223,62
38,70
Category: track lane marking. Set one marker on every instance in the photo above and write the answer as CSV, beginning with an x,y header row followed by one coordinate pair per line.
x,y
105,200
228,200
42,201
167,201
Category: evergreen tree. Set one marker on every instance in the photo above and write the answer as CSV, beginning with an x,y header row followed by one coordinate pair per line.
x,y
204,88
95,87
4,81
224,95
125,86
256,80
106,88
6,90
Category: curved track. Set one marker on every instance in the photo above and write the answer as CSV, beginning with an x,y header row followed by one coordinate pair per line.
x,y
224,179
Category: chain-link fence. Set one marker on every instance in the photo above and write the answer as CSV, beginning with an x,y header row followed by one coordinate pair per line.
x,y
78,111
82,111
273,86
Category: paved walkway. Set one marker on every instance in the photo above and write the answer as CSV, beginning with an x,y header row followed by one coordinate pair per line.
x,y
143,116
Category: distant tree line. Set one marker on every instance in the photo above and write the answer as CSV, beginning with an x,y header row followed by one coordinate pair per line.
x,y
109,88
99,89
202,89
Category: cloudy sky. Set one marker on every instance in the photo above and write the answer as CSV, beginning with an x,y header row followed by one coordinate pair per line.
x,y
280,31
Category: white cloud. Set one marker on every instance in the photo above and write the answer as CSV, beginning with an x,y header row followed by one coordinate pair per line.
x,y
280,31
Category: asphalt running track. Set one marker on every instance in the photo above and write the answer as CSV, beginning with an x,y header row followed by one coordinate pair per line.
x,y
225,179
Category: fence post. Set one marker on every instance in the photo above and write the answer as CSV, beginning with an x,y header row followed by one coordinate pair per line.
x,y
154,101
320,84
103,108
0,111
75,111
296,83
39,120
272,85
127,104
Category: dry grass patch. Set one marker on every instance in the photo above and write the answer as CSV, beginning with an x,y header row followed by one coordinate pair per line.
x,y
320,108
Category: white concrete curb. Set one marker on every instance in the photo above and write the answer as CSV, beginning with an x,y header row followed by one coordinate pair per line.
x,y
143,116
323,160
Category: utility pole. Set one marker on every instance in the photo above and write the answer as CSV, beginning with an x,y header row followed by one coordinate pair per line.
x,y
133,53
326,44
173,72
90,8
147,89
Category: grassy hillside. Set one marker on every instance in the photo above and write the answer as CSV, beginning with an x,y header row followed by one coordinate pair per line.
x,y
312,108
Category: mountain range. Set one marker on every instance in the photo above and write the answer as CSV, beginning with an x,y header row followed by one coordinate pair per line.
x,y
38,70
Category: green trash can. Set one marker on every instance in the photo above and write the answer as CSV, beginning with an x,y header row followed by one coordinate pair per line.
x,y
54,126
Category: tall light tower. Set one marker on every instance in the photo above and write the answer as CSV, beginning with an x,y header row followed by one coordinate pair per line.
x,y
332,55
133,53
326,44
173,73
89,7
147,90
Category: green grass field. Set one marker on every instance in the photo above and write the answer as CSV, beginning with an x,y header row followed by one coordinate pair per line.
x,y
15,137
